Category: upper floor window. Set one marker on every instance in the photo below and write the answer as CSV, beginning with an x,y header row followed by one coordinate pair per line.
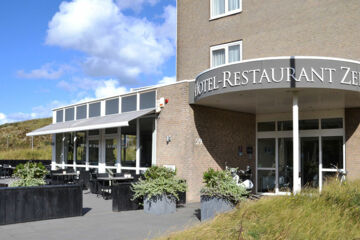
x,y
226,53
220,8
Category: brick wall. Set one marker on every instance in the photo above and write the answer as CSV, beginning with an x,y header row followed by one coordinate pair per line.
x,y
352,136
201,137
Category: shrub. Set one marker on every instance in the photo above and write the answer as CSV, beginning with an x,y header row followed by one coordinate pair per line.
x,y
221,184
158,181
29,174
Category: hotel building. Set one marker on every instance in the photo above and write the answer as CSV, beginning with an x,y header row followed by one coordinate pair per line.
x,y
273,85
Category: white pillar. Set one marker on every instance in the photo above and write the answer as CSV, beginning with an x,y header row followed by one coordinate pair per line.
x,y
137,146
296,147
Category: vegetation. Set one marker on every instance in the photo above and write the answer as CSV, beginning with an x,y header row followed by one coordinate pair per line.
x,y
14,145
158,181
333,214
29,174
221,184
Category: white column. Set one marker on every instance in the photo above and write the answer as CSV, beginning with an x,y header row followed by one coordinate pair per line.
x,y
137,146
53,157
296,146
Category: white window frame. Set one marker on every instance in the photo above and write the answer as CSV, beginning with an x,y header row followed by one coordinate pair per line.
x,y
227,12
318,133
226,47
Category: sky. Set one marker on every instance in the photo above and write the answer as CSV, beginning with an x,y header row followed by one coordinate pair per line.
x,y
56,52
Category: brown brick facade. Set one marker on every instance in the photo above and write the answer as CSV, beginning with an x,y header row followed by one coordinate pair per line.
x,y
201,137
352,136
267,28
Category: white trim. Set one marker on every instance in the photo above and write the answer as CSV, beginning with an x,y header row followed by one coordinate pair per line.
x,y
279,58
319,133
83,128
141,90
227,12
225,46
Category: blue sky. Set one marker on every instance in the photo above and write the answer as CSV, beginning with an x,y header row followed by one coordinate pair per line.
x,y
55,52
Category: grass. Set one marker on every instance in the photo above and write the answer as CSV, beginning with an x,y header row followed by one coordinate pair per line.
x,y
14,145
333,214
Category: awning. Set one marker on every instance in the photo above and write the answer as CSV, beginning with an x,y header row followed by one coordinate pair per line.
x,y
110,121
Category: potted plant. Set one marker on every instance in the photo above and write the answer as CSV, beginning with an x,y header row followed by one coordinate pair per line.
x,y
29,174
220,193
159,189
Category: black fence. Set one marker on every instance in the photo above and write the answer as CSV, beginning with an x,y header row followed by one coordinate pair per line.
x,y
25,204
16,162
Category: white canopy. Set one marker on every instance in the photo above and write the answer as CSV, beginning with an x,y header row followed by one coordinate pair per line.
x,y
110,121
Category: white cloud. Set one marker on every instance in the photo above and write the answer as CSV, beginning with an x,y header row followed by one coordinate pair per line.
x,y
46,71
110,88
167,80
3,118
115,44
88,88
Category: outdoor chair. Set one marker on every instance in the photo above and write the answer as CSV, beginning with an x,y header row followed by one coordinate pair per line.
x,y
104,186
93,184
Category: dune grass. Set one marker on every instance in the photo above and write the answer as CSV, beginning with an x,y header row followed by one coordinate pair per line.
x,y
333,214
14,145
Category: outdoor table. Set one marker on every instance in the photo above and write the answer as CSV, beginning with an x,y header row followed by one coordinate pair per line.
x,y
64,176
111,181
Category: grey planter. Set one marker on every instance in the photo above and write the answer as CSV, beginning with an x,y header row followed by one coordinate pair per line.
x,y
160,205
210,206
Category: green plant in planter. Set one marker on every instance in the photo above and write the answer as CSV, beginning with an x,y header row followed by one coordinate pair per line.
x,y
221,184
29,174
158,181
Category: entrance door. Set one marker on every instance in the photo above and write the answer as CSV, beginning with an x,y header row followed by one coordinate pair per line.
x,y
309,161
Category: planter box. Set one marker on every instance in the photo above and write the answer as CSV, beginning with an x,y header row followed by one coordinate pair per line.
x,y
210,206
160,205
121,198
25,204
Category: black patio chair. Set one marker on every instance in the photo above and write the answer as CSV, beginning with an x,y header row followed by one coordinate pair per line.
x,y
104,186
93,184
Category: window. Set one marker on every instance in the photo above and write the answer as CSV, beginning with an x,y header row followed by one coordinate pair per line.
x,y
226,53
128,145
221,8
94,109
112,106
128,104
266,126
147,100
81,112
69,114
59,116
80,148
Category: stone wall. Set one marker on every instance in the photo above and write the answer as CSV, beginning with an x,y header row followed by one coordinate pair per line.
x,y
352,136
267,28
201,137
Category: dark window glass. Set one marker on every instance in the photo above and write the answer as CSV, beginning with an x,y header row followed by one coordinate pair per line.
x,y
94,109
266,180
94,132
112,106
59,116
266,126
94,152
69,148
266,153
284,125
81,112
146,131
69,114
309,124
147,100
80,148
285,163
128,145
59,153
331,123
332,152
128,104
111,130
111,151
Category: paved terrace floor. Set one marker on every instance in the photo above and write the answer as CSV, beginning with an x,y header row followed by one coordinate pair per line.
x,y
100,223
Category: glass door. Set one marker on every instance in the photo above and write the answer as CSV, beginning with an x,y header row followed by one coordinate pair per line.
x,y
309,158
